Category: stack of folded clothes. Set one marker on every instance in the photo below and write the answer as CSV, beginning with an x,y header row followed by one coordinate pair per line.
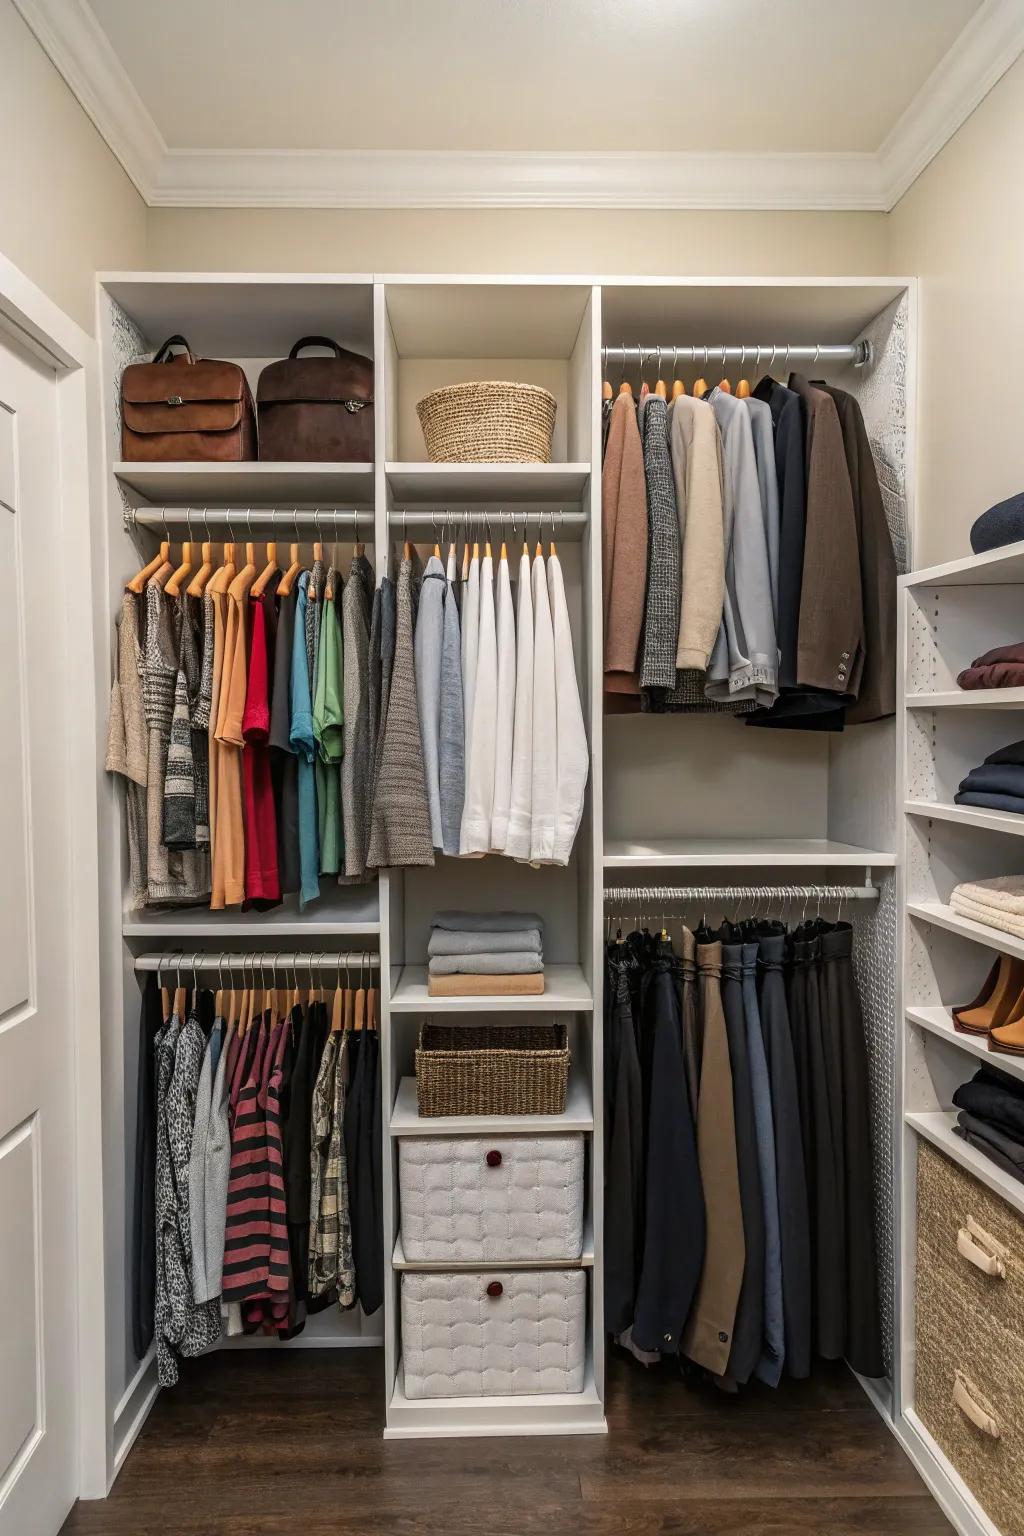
x,y
998,902
1001,668
486,954
998,782
991,1118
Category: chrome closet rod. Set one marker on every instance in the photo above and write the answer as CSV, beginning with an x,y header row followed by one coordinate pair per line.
x,y
280,960
766,354
238,519
440,516
711,893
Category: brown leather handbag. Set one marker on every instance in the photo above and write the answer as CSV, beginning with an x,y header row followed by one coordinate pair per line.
x,y
317,408
181,408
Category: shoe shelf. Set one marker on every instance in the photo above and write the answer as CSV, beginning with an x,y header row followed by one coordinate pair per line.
x,y
938,1022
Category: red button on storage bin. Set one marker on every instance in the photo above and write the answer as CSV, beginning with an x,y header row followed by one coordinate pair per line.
x,y
495,1288
494,1159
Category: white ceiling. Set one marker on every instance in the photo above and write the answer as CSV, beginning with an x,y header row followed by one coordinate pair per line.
x,y
530,74
811,104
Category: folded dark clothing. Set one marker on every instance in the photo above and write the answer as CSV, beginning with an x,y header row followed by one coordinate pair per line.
x,y
1009,1146
996,779
996,1078
996,1105
1001,674
991,802
1013,753
1013,652
982,1137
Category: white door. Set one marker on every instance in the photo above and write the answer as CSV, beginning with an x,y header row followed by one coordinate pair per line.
x,y
38,1262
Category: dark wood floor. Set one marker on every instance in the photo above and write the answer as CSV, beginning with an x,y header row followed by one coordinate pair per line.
x,y
288,1444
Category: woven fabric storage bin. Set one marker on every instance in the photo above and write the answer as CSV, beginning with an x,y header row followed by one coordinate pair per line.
x,y
494,1334
492,1069
491,423
491,1199
969,1346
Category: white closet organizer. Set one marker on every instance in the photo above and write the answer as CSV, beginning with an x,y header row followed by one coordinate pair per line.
x,y
949,614
665,792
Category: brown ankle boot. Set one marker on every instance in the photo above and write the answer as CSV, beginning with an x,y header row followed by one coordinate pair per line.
x,y
996,1003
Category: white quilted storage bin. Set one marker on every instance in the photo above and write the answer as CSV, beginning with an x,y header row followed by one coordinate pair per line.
x,y
494,1333
491,1199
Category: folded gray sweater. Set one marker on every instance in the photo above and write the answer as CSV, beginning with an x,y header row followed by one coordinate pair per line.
x,y
516,963
487,922
465,941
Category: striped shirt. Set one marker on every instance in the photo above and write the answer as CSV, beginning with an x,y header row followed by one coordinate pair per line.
x,y
256,1261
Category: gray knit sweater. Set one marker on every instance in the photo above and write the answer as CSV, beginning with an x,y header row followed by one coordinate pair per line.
x,y
400,820
661,614
355,765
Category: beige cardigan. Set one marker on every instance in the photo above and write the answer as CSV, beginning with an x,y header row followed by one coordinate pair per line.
x,y
623,547
695,444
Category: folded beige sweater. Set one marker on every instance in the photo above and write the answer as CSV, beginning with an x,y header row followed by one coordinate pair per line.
x,y
1005,892
992,917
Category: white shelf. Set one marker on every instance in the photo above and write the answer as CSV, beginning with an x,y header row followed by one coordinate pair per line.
x,y
968,816
261,484
969,698
939,1022
565,990
541,1413
585,1260
578,1115
998,567
737,852
484,482
937,913
937,1127
326,918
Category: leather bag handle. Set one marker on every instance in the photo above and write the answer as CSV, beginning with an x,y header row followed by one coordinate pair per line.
x,y
173,341
968,1399
982,1250
314,341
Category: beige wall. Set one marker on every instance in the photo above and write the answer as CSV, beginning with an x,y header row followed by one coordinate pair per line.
x,y
516,240
66,207
961,227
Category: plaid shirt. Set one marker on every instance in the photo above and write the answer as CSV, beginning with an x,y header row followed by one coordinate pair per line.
x,y
324,1168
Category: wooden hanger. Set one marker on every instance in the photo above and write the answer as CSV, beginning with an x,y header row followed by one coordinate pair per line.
x,y
625,388
350,1010
262,581
240,587
162,557
338,1009
660,387
372,1007
465,561
183,572
291,575
225,574
743,389
606,391
700,388
678,388
504,553
197,586
360,1009
725,386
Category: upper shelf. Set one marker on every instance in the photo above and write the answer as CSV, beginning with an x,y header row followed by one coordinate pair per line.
x,y
406,1119
740,852
265,483
343,911
486,482
997,567
565,990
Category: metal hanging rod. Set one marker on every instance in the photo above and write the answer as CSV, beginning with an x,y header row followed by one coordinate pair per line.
x,y
238,519
204,960
712,893
767,355
439,516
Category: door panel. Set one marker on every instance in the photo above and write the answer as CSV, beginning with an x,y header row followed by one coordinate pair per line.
x,y
38,1259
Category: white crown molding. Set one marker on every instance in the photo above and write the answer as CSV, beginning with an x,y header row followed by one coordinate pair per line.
x,y
211,178
990,43
491,179
76,43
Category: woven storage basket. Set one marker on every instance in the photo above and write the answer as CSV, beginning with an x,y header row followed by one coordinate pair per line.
x,y
490,423
493,1069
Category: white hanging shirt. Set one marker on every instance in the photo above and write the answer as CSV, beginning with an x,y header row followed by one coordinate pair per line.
x,y
476,814
505,627
543,809
572,755
470,631
517,843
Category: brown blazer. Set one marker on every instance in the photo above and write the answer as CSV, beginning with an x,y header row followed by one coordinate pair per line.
x,y
830,646
876,694
623,548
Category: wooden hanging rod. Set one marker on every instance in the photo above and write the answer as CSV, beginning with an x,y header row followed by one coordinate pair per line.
x,y
712,893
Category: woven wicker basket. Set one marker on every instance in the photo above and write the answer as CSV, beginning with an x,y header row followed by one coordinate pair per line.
x,y
493,1069
491,423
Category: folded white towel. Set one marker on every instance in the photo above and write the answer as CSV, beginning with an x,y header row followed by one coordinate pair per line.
x,y
1005,892
1005,922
